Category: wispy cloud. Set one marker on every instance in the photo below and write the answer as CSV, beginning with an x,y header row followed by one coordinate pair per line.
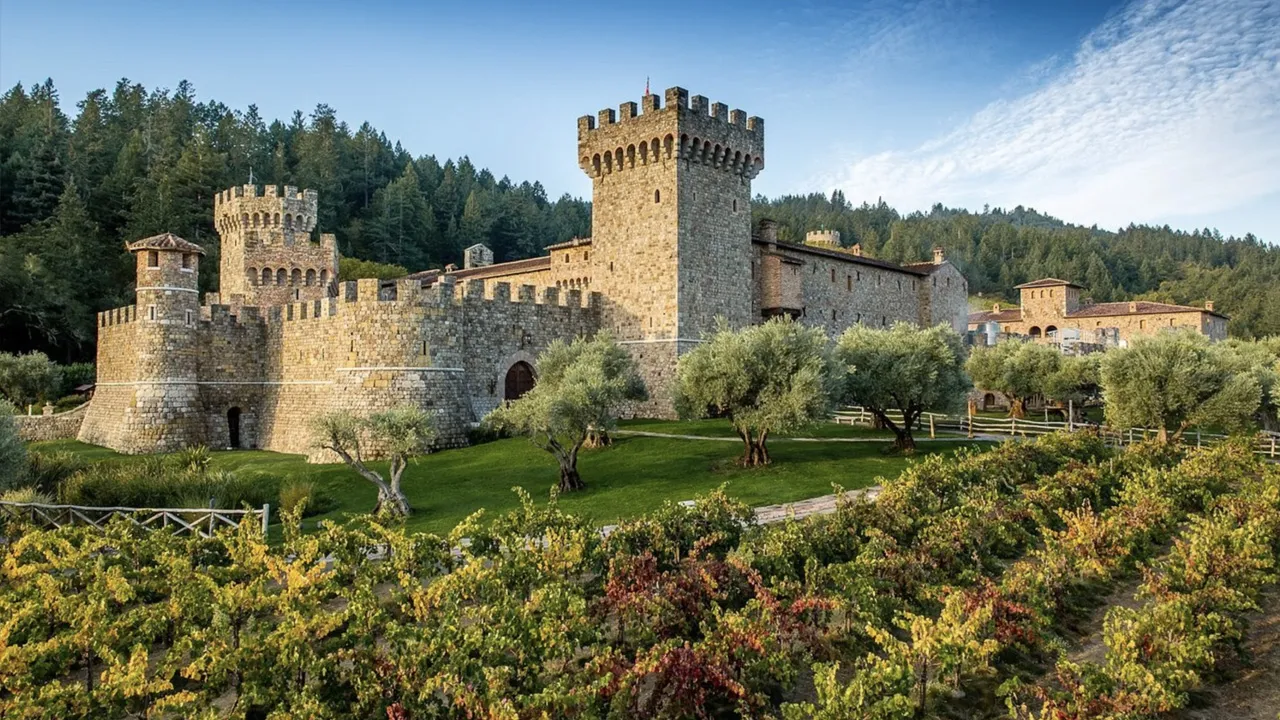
x,y
1167,110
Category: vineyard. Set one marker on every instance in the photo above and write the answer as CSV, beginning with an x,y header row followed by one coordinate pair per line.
x,y
955,594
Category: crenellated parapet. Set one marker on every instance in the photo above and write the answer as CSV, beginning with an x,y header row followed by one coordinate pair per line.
x,y
249,207
690,129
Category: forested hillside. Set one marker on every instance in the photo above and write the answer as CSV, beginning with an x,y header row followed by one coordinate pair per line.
x,y
75,185
998,249
129,163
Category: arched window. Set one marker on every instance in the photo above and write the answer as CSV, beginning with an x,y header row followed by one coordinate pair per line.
x,y
256,219
667,145
657,196
631,156
275,220
244,220
252,276
311,277
296,279
281,276
266,276
1034,332
288,221
1051,331
595,164
324,278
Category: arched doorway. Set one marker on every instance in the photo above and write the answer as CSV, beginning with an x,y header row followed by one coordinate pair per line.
x,y
1051,332
1035,332
233,427
519,381
988,401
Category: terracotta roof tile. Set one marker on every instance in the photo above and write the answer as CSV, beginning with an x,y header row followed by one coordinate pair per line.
x,y
1141,307
841,255
1010,315
506,268
1047,282
164,241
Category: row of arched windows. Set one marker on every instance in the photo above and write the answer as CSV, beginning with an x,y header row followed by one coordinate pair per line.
x,y
573,283
286,277
262,220
696,149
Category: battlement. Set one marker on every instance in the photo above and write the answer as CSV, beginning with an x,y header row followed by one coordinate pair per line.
x,y
688,128
250,207
829,239
117,316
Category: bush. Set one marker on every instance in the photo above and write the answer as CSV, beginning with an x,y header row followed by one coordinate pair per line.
x,y
317,500
179,480
26,495
13,454
46,471
28,379
68,402
73,376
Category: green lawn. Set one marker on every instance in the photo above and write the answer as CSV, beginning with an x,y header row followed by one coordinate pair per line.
x,y
722,428
634,476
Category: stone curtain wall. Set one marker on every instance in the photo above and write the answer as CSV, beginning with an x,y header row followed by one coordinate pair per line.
x,y
859,293
1130,326
59,426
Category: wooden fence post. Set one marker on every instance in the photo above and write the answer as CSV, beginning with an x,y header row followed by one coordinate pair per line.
x,y
971,421
931,434
266,515
1071,413
1273,446
1197,437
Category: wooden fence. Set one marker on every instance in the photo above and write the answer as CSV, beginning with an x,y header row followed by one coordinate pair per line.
x,y
202,521
1265,443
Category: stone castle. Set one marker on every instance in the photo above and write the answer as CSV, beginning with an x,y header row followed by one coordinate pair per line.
x,y
672,249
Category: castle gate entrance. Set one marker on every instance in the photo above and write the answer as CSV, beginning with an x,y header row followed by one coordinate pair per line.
x,y
519,381
233,427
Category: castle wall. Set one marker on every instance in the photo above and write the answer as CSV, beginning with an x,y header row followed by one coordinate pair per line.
x,y
838,293
945,298
55,426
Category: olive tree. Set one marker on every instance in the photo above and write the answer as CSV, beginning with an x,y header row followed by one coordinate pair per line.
x,y
582,387
397,434
764,378
905,368
28,379
1017,369
1075,383
13,454
1261,359
1173,381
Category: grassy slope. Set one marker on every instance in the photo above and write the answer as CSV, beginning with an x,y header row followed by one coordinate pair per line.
x,y
634,476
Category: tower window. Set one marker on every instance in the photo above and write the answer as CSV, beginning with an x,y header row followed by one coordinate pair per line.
x,y
151,312
190,320
657,196
153,258
735,206
186,261
848,282
833,274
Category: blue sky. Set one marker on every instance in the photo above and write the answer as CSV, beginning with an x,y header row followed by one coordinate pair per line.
x,y
1098,112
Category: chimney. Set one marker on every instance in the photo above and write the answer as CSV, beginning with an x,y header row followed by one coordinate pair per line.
x,y
939,255
1208,305
768,231
856,249
450,268
1133,307
995,307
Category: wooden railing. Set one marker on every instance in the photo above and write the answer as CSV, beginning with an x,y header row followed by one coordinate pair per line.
x,y
202,521
1266,443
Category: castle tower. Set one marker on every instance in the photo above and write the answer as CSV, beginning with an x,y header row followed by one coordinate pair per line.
x,y
671,224
268,257
164,414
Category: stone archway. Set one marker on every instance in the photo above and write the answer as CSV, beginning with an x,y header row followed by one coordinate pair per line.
x,y
518,381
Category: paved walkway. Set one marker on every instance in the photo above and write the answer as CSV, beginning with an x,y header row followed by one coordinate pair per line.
x,y
813,506
673,436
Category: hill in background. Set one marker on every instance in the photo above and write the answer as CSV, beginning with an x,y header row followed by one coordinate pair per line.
x,y
133,163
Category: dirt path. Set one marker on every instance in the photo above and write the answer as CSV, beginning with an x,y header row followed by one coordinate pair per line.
x,y
1250,692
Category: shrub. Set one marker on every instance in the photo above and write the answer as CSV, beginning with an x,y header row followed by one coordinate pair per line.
x,y
179,480
46,471
28,379
317,500
26,495
73,376
13,454
68,402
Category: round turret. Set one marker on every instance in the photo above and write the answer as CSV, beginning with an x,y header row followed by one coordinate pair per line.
x,y
165,409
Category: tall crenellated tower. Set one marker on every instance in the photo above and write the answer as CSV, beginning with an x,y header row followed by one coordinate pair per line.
x,y
164,414
671,223
268,256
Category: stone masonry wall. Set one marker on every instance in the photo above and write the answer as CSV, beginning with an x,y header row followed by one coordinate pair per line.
x,y
58,426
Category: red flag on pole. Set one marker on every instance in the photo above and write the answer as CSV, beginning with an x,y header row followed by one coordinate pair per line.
x,y
646,84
